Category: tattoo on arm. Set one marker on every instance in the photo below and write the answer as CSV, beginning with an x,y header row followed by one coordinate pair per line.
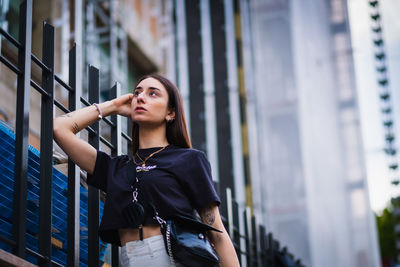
x,y
75,128
208,216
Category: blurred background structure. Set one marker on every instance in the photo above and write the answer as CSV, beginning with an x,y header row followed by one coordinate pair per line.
x,y
310,136
270,93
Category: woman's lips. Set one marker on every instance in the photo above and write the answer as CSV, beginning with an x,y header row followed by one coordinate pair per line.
x,y
140,109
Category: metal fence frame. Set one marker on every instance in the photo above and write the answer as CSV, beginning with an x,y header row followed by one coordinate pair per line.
x,y
260,247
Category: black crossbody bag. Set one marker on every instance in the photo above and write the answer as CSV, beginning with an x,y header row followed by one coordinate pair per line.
x,y
186,241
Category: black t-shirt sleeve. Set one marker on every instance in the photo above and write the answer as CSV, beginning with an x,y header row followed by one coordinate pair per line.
x,y
104,167
198,181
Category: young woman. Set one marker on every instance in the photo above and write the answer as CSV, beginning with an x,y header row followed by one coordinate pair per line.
x,y
164,170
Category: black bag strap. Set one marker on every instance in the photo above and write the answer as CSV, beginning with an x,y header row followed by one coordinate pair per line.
x,y
185,221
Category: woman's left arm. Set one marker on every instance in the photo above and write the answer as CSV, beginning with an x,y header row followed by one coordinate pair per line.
x,y
222,242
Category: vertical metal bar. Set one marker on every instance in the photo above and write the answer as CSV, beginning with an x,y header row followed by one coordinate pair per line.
x,y
75,81
269,251
263,246
236,230
246,238
46,147
75,77
93,197
256,244
249,237
22,128
229,211
116,140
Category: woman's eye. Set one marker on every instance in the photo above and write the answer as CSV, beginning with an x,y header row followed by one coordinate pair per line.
x,y
136,93
153,93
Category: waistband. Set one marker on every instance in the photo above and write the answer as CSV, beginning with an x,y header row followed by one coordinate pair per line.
x,y
147,245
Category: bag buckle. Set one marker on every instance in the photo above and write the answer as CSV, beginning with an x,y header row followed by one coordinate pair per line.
x,y
159,220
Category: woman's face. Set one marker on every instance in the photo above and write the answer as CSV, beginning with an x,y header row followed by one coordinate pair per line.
x,y
150,103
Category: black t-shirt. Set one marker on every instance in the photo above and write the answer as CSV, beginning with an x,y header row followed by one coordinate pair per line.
x,y
176,180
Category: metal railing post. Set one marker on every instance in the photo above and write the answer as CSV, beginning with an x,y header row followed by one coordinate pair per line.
x,y
256,244
249,237
237,235
270,250
263,246
46,147
229,211
75,77
93,197
116,141
22,128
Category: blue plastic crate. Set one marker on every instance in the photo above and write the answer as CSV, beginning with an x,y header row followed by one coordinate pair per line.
x,y
59,202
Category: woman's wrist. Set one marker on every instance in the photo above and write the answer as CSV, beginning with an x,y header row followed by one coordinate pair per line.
x,y
107,108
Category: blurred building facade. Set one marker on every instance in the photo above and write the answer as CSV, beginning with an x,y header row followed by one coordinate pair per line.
x,y
314,190
269,94
196,44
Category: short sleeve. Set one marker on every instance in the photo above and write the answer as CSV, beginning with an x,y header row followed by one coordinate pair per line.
x,y
199,181
104,167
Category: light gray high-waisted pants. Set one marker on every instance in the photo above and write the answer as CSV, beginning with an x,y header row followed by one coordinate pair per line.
x,y
147,252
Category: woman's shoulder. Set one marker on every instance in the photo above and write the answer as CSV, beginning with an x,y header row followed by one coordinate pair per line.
x,y
109,158
188,158
187,152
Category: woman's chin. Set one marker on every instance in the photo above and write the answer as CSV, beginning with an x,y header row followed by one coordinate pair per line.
x,y
148,123
138,119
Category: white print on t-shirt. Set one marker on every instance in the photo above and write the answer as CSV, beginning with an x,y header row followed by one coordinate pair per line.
x,y
145,168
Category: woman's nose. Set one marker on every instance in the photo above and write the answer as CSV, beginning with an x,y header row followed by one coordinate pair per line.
x,y
140,97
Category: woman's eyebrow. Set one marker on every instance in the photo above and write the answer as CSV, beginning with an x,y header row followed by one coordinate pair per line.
x,y
151,88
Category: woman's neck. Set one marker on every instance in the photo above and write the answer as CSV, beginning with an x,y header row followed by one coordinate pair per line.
x,y
152,137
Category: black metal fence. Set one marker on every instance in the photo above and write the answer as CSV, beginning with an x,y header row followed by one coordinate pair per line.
x,y
253,244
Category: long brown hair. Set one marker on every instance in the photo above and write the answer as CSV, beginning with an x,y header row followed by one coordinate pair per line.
x,y
177,133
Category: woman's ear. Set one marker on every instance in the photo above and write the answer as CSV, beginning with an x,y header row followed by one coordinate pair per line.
x,y
170,115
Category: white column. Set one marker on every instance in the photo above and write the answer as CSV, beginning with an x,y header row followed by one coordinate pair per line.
x,y
183,80
209,90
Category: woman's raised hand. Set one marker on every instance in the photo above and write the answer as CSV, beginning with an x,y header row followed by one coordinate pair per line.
x,y
123,105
